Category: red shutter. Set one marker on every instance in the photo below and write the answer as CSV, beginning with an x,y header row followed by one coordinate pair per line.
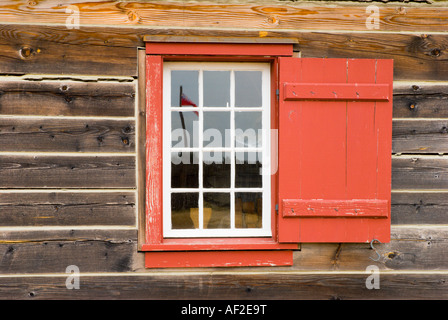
x,y
335,136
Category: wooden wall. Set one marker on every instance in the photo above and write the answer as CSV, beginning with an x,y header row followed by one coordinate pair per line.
x,y
70,104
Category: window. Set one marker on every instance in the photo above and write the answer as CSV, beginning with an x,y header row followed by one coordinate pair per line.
x,y
221,115
217,117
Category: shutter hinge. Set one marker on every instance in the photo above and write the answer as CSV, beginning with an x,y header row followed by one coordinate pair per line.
x,y
277,93
276,208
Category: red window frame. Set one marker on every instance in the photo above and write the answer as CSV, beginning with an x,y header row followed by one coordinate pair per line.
x,y
198,252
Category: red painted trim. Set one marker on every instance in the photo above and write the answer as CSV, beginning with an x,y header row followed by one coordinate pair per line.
x,y
337,91
155,240
336,208
218,259
218,244
154,73
219,49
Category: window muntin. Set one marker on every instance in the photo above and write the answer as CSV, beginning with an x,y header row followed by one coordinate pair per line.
x,y
216,147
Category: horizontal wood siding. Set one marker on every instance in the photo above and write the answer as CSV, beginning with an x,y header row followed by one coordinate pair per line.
x,y
65,171
72,144
74,208
53,97
231,286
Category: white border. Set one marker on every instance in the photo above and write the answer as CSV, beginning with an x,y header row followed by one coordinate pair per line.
x,y
265,231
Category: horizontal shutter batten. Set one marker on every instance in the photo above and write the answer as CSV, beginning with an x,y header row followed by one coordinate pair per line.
x,y
371,208
337,91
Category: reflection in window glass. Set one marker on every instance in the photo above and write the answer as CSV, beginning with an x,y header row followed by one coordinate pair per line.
x,y
216,129
188,80
183,208
248,89
248,170
184,170
216,210
216,88
248,210
248,129
184,128
216,169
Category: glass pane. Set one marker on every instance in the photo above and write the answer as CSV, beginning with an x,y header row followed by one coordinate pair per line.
x,y
248,170
248,210
184,170
216,170
216,210
216,129
184,208
248,129
188,80
248,89
216,88
184,129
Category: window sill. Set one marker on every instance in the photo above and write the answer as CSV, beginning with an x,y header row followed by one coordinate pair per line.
x,y
199,244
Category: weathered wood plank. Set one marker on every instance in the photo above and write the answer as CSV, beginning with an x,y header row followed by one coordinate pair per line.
x,y
25,55
49,171
420,100
415,57
52,251
66,98
269,286
420,172
429,136
66,135
410,248
269,15
67,209
420,208
141,147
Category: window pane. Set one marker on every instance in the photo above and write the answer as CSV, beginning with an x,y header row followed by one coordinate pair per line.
x,y
216,88
216,129
184,170
184,129
248,170
216,169
248,210
216,210
184,208
188,80
248,129
248,89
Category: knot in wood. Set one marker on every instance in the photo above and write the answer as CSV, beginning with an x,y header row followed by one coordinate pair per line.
x,y
26,52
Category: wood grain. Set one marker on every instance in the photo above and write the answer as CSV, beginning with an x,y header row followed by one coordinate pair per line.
x,y
270,286
67,135
115,250
269,15
52,251
50,171
420,208
416,57
66,98
421,100
419,172
420,137
67,209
